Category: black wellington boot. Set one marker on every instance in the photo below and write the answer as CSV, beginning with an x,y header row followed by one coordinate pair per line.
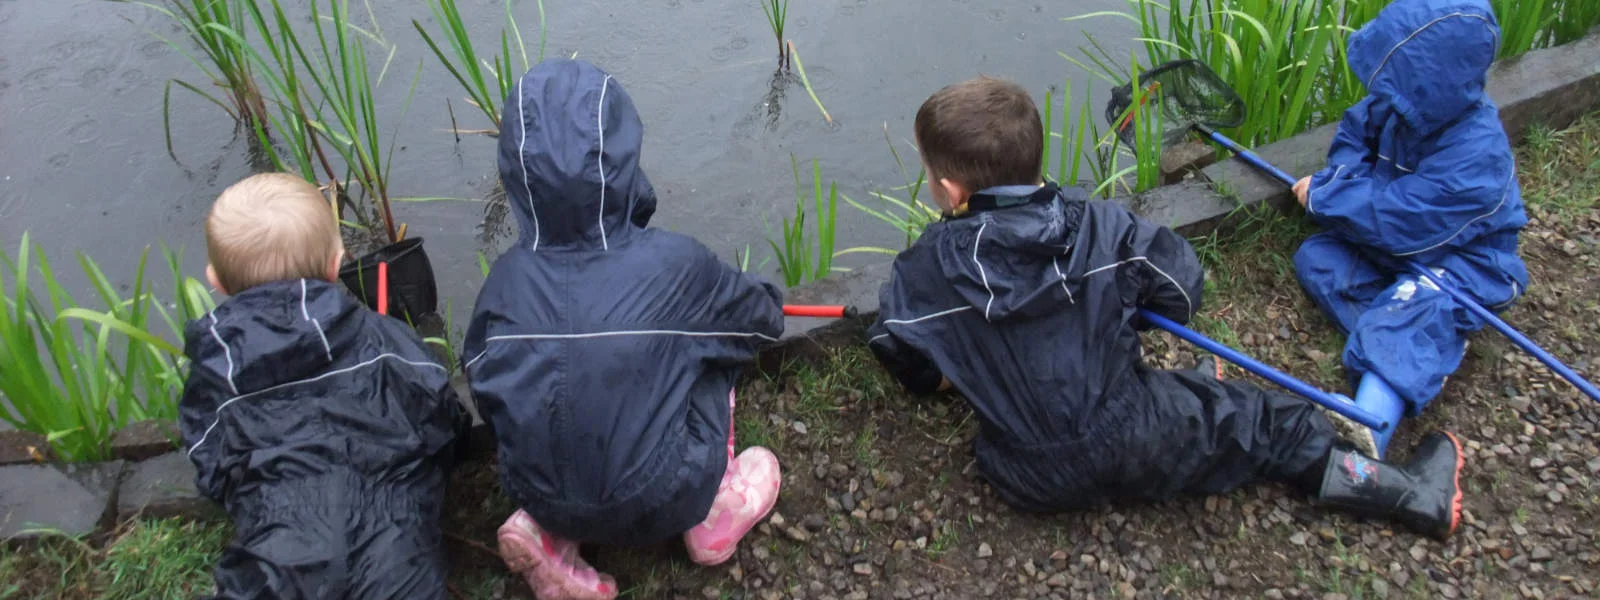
x,y
1424,494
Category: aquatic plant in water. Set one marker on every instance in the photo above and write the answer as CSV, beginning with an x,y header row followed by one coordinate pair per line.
x,y
909,215
473,70
1077,146
1148,122
325,98
803,254
777,12
76,375
223,59
807,82
341,73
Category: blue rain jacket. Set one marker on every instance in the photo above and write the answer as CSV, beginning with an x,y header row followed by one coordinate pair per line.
x,y
601,351
1421,170
327,432
1422,166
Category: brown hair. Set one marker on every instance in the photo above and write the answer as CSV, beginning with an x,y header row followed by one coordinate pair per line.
x,y
981,133
271,227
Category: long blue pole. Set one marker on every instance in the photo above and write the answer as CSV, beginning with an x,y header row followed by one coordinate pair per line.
x,y
1516,337
1333,402
1461,298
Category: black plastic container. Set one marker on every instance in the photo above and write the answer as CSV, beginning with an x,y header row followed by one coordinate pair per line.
x,y
413,293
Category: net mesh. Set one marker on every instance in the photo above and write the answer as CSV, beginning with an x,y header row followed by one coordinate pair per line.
x,y
1189,94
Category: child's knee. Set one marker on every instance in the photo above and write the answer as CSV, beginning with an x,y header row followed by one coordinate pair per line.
x,y
1320,250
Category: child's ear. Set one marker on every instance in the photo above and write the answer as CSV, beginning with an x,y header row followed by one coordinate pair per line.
x,y
956,193
211,278
333,266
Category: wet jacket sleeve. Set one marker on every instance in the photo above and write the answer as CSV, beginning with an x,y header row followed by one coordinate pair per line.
x,y
459,421
1467,178
911,368
1168,273
745,303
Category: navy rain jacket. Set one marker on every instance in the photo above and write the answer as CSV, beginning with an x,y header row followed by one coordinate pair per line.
x,y
327,432
601,351
1031,312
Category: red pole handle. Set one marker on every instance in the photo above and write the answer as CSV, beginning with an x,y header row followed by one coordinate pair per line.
x,y
818,311
383,288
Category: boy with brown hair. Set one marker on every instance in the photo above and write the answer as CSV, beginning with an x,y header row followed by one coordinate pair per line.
x,y
325,430
1025,298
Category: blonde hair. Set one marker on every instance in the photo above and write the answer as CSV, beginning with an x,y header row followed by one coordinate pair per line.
x,y
271,227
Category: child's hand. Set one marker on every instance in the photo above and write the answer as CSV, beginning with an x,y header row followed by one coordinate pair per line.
x,y
1302,188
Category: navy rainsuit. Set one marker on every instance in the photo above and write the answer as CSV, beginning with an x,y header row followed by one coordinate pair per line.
x,y
327,432
1030,311
1420,170
603,352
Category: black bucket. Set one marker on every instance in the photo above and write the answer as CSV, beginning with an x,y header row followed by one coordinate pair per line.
x,y
412,290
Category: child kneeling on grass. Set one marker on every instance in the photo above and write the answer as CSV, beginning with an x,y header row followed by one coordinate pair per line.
x,y
325,430
1420,171
1024,298
604,353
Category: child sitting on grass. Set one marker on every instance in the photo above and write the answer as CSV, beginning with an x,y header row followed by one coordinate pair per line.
x,y
1024,298
1420,170
325,430
604,353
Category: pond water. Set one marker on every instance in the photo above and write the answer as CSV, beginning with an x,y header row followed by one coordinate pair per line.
x,y
84,166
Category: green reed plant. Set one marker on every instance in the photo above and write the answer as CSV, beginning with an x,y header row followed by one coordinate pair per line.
x,y
909,215
1284,59
1522,23
1073,145
1532,24
324,100
76,375
1149,130
340,71
806,254
327,96
1574,19
222,59
487,79
777,12
290,111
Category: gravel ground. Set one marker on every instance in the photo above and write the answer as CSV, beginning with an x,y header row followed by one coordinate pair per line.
x,y
881,498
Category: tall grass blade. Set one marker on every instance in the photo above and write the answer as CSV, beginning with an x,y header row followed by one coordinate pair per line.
x,y
795,56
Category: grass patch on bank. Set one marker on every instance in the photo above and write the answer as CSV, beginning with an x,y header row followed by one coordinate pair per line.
x,y
148,560
1560,170
1264,238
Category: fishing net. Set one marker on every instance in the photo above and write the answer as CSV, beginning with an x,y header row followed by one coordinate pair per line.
x,y
1188,94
